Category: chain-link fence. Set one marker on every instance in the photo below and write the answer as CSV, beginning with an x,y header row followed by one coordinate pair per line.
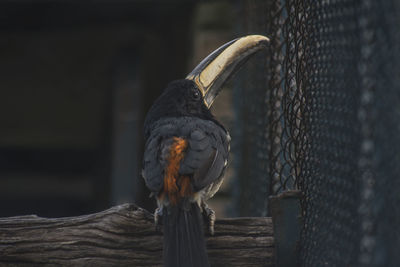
x,y
325,118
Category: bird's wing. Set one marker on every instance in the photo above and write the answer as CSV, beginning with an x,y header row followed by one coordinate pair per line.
x,y
205,154
205,158
155,161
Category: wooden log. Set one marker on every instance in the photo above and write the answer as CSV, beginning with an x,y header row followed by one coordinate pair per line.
x,y
124,236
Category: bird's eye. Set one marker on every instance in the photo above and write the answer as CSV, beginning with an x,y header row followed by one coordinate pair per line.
x,y
196,94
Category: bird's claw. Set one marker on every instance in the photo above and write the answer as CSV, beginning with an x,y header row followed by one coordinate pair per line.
x,y
157,216
210,217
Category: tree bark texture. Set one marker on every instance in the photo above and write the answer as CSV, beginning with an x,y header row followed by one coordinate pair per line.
x,y
124,236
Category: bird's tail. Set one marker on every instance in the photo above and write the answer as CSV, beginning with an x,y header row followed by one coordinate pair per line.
x,y
184,242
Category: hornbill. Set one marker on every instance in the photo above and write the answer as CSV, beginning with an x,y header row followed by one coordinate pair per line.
x,y
187,149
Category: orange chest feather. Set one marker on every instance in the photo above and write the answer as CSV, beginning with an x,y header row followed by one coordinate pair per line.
x,y
176,186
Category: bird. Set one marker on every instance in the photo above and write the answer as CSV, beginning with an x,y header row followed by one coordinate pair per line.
x,y
186,152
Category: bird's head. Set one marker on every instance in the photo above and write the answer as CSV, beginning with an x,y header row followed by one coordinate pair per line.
x,y
194,95
180,98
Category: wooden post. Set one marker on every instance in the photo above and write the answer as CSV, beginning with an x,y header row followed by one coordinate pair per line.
x,y
124,236
286,218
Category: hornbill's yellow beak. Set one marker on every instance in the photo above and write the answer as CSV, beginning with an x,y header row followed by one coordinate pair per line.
x,y
217,67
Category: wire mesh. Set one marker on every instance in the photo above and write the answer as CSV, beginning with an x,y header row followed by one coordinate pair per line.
x,y
331,124
250,134
379,68
329,177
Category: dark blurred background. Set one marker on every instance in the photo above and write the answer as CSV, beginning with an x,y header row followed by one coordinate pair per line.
x,y
76,81
317,111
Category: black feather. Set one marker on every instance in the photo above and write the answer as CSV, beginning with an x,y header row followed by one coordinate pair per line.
x,y
178,113
197,135
199,145
184,242
176,101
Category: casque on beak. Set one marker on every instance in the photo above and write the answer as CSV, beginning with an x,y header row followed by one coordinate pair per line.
x,y
216,68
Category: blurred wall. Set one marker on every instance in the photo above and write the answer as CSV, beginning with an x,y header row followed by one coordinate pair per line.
x,y
75,80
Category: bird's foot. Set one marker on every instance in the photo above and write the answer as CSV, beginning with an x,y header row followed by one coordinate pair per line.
x,y
157,218
210,217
